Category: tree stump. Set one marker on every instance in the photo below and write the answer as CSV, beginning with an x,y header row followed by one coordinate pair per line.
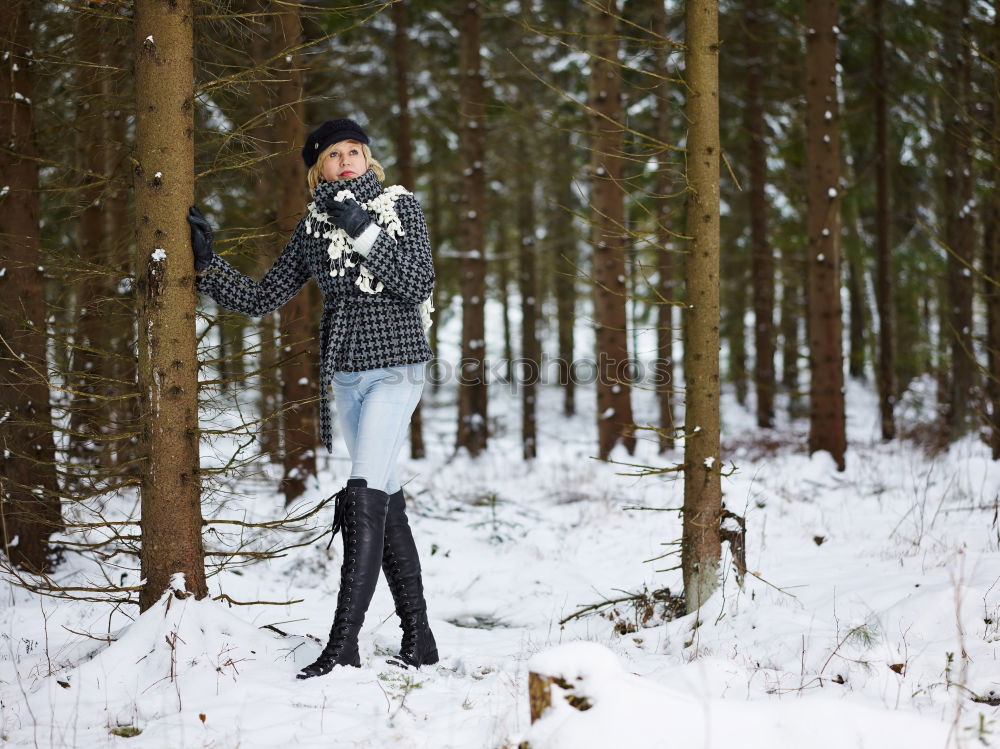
x,y
539,694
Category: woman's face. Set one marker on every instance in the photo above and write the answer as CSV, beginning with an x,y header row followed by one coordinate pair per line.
x,y
345,160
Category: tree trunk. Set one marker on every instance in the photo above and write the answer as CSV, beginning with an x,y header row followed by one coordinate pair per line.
x,y
857,308
791,312
168,364
886,367
435,211
29,491
664,254
118,88
959,230
232,341
825,327
701,545
90,373
562,235
735,314
614,405
527,374
298,344
472,403
763,256
264,44
404,161
269,400
404,121
992,260
941,311
665,385
502,269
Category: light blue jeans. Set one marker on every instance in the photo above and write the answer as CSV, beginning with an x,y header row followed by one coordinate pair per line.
x,y
374,409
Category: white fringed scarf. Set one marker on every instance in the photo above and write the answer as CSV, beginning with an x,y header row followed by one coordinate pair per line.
x,y
340,249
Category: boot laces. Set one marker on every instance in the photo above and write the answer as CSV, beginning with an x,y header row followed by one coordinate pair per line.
x,y
412,625
339,512
338,638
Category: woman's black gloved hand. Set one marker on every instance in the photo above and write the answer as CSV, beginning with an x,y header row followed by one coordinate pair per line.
x,y
201,238
348,215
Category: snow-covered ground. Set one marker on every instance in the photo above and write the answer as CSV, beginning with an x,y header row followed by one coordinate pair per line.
x,y
871,617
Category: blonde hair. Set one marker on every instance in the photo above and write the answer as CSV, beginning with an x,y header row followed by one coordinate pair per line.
x,y
315,175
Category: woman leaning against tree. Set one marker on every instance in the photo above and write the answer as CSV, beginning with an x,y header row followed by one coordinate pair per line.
x,y
368,249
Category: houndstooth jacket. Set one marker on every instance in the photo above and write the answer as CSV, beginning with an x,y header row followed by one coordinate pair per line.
x,y
359,330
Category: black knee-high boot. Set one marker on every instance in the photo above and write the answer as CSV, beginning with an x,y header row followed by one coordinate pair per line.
x,y
401,565
360,513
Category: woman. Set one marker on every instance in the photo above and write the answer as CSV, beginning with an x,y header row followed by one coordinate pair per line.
x,y
368,249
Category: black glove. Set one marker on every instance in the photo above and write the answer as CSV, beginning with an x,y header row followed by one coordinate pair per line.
x,y
201,238
348,215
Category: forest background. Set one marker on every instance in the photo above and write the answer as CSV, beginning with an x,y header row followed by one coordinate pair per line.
x,y
550,144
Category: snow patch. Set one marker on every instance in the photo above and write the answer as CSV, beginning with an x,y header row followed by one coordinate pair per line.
x,y
606,706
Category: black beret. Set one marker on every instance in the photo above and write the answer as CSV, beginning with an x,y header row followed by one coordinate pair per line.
x,y
330,132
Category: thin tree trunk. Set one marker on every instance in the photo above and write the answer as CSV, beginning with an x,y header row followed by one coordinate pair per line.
x,y
404,121
118,87
502,265
614,405
857,309
29,490
269,400
528,372
89,375
734,317
665,385
959,230
263,44
992,260
792,310
232,338
472,405
531,287
564,257
826,392
665,286
404,154
941,312
763,256
564,247
298,374
885,370
701,545
434,219
856,318
168,363
229,328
